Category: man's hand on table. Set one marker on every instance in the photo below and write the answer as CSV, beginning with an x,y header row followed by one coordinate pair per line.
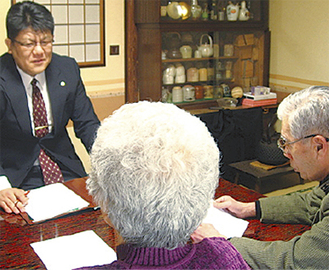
x,y
236,208
13,200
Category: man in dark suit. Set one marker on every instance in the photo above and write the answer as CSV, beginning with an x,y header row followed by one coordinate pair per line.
x,y
30,29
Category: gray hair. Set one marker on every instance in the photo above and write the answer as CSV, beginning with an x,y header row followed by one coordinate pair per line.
x,y
155,169
306,111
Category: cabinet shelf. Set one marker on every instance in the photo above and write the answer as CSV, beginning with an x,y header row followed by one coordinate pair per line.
x,y
211,82
198,59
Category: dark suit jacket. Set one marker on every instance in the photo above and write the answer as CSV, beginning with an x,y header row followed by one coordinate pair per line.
x,y
18,147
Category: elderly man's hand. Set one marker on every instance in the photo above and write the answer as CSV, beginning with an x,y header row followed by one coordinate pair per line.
x,y
13,200
236,208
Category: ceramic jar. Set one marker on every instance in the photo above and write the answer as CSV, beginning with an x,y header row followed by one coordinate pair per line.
x,y
197,54
186,51
177,94
173,10
208,91
228,50
198,92
203,75
226,90
192,75
180,73
188,93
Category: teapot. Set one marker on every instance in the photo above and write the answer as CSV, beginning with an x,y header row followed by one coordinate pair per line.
x,y
207,50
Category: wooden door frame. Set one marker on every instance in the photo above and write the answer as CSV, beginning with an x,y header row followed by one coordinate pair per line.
x,y
132,92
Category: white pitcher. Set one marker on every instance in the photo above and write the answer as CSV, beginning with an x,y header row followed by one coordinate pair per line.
x,y
232,11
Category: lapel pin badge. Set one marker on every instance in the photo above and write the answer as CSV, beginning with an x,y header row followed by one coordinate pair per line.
x,y
62,83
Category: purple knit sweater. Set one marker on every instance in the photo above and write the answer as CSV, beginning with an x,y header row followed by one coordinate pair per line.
x,y
211,253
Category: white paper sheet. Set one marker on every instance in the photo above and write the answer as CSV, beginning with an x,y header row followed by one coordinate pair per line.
x,y
49,201
74,251
225,223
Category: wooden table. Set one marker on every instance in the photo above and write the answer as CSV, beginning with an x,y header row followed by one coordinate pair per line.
x,y
16,235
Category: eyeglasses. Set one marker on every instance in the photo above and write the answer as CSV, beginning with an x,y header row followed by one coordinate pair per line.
x,y
31,44
282,141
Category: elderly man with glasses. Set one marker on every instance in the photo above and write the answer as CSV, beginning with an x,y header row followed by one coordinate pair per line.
x,y
304,140
40,92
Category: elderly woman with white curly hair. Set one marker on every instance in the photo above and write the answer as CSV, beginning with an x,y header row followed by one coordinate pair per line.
x,y
155,169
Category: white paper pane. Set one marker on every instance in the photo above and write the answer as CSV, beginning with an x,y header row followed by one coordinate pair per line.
x,y
76,33
77,52
76,14
62,50
42,2
76,1
60,1
93,52
93,33
60,14
61,34
92,14
92,1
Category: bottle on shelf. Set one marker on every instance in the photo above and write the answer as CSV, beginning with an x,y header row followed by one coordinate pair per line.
x,y
213,11
228,69
205,12
244,12
221,10
196,10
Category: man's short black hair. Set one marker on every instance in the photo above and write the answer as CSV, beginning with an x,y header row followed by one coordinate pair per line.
x,y
28,14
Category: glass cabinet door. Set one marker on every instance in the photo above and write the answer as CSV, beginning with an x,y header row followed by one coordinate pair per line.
x,y
199,66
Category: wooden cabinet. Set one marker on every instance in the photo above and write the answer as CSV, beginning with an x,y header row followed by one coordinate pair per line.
x,y
240,52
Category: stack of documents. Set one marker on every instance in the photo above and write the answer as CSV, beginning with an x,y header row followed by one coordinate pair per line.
x,y
53,200
74,251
